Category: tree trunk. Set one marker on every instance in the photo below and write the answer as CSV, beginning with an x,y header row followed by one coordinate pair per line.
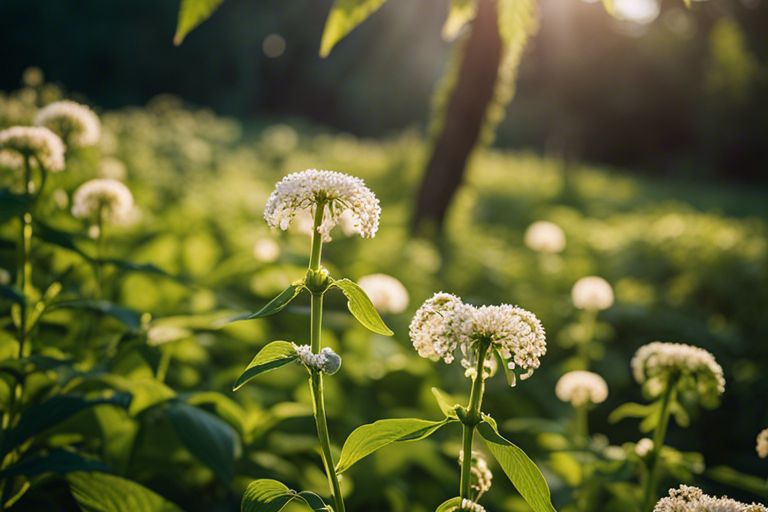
x,y
464,118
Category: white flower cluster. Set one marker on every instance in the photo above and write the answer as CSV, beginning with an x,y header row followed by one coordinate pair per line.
x,y
692,499
762,444
643,447
482,478
337,192
40,144
695,368
543,236
592,293
110,197
471,506
326,361
444,323
73,122
581,388
386,292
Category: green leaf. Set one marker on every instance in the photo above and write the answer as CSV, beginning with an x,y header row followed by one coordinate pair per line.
x,y
314,501
129,317
49,413
366,439
275,305
680,414
460,13
361,307
272,356
12,205
57,461
509,375
101,492
449,505
266,496
60,238
630,410
519,468
446,403
191,14
729,476
345,15
207,437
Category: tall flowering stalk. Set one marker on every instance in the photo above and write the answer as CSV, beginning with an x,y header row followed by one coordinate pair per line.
x,y
666,370
330,197
590,294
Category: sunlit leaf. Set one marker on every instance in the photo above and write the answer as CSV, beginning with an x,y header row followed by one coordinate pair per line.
x,y
275,305
630,410
101,492
460,12
519,468
191,14
361,307
272,356
57,461
446,403
207,437
272,496
366,439
345,15
449,505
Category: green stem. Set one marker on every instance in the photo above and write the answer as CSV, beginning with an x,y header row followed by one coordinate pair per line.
x,y
316,379
164,363
24,267
471,420
582,425
659,434
589,319
98,268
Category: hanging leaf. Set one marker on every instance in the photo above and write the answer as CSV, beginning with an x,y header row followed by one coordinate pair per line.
x,y
272,356
267,495
50,413
275,305
345,15
447,403
460,13
129,317
191,14
365,440
361,307
449,505
213,441
101,492
57,461
519,468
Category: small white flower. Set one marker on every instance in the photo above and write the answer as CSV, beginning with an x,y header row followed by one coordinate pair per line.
x,y
437,328
112,168
266,250
481,475
762,444
387,293
5,277
693,499
326,361
581,388
73,122
592,293
471,506
337,192
543,236
110,197
643,447
695,368
39,144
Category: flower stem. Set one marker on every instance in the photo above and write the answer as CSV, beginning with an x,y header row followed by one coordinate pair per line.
x,y
316,379
589,319
582,425
470,421
98,268
650,484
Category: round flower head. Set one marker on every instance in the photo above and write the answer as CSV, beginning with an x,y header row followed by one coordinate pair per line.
x,y
762,444
437,328
481,476
40,144
581,388
387,293
73,122
110,197
694,368
337,192
592,293
543,236
692,499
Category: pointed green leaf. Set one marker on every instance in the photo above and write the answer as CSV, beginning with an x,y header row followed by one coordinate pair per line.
x,y
207,437
57,461
275,305
266,495
272,356
519,468
630,410
509,375
446,403
101,492
449,505
362,308
365,440
191,14
460,13
345,15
